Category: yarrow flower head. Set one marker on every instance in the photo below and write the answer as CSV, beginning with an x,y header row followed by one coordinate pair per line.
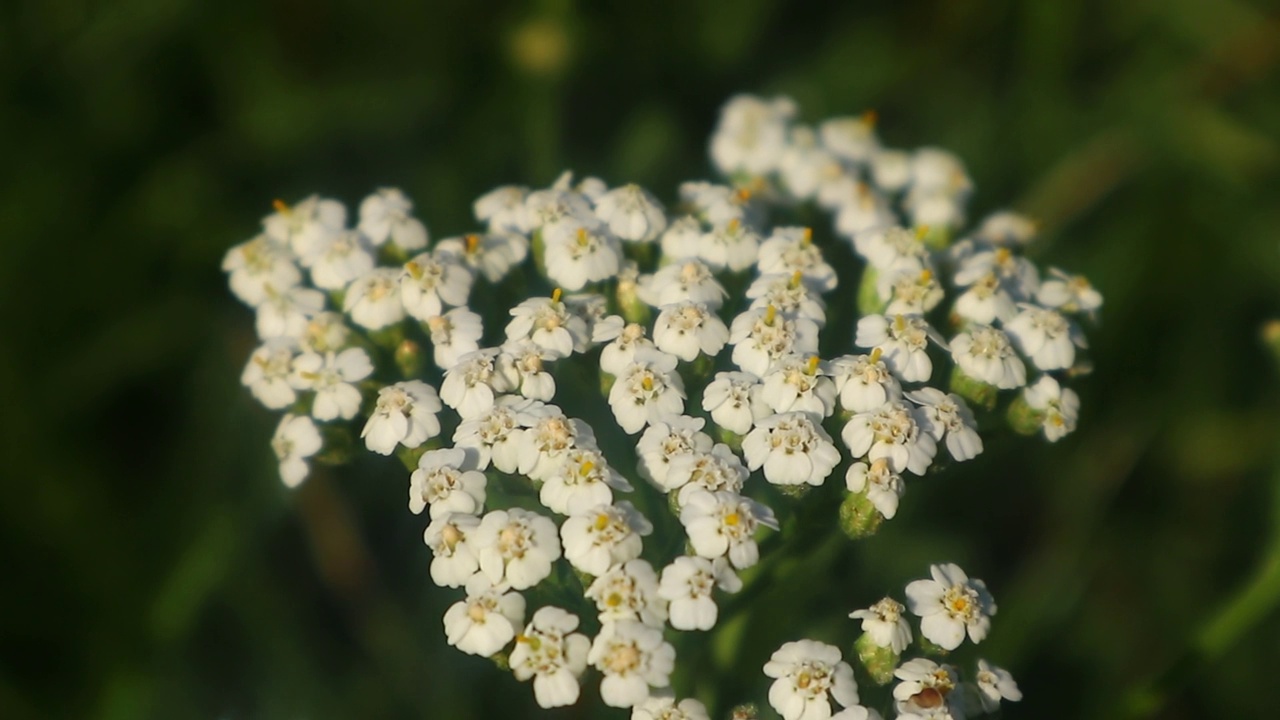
x,y
532,373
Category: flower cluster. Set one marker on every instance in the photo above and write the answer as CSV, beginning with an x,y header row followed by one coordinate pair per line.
x,y
706,334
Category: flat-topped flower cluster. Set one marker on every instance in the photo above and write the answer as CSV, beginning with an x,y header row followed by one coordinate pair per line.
x,y
700,329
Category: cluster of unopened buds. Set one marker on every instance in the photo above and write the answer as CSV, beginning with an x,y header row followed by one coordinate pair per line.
x,y
712,357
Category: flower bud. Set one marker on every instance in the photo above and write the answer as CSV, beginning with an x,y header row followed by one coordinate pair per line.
x,y
1024,419
979,393
880,662
858,517
409,358
869,300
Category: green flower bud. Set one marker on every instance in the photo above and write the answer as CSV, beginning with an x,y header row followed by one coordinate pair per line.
x,y
858,517
409,358
746,711
880,662
976,392
1024,419
869,302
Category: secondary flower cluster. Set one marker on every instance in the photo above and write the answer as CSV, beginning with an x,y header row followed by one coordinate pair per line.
x,y
700,329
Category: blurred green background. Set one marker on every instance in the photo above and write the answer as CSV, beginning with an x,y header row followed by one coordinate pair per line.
x,y
154,566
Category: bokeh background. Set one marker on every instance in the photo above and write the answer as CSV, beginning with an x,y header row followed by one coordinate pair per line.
x,y
154,566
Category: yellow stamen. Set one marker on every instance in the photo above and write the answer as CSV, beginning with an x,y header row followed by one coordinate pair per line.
x,y
807,239
732,519
555,295
899,323
734,224
925,276
1003,255
281,206
647,383
582,236
473,242
795,278
743,195
586,468
875,355
813,364
770,313
414,269
870,118
602,521
922,231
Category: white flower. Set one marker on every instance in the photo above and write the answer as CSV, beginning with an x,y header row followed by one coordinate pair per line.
x,y
732,245
1017,275
296,439
752,134
629,591
454,554
764,336
864,382
551,205
792,449
494,435
862,209
549,324
405,414
486,621
902,340
431,281
603,537
448,482
798,384
646,391
985,353
884,623
258,267
502,209
883,486
808,675
686,280
627,340
373,299
893,432
892,250
286,313
950,604
550,435
550,652
325,332
995,684
333,376
664,442
1045,336
307,226
663,707
492,255
344,258
948,415
516,546
581,481
386,215
453,335
1069,293
937,169
986,300
791,295
717,470
806,168
578,252
632,213
1059,405
718,205
632,657
926,689
891,169
687,328
852,138
910,292
1005,227
524,365
268,371
687,584
723,524
733,399
471,385
791,250
681,239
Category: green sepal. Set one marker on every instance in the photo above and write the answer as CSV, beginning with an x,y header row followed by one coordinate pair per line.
x,y
858,517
